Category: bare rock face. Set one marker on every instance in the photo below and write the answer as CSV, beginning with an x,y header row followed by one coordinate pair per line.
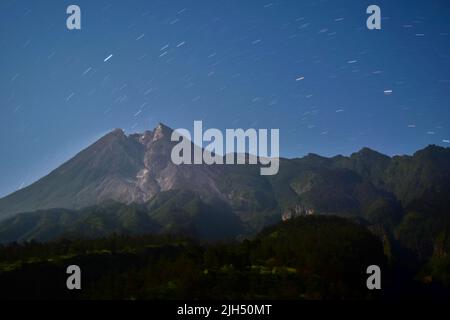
x,y
298,210
117,167
160,174
137,168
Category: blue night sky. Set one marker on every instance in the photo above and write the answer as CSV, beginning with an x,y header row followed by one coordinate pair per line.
x,y
310,68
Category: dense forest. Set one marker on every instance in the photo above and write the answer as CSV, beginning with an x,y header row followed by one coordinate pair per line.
x,y
341,215
313,257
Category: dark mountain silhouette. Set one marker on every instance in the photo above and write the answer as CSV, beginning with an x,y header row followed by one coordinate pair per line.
x,y
153,195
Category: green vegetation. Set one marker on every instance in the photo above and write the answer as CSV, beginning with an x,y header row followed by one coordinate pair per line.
x,y
318,257
174,212
396,210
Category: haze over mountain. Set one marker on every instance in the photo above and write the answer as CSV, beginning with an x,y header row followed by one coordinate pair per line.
x,y
128,184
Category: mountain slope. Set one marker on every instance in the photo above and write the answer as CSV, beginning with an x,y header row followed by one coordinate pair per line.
x,y
117,167
174,212
137,169
98,173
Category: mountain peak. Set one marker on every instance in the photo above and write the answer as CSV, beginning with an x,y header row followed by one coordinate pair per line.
x,y
432,151
369,153
162,126
162,131
117,132
114,135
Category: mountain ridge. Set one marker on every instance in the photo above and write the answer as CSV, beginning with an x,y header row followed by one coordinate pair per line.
x,y
136,168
